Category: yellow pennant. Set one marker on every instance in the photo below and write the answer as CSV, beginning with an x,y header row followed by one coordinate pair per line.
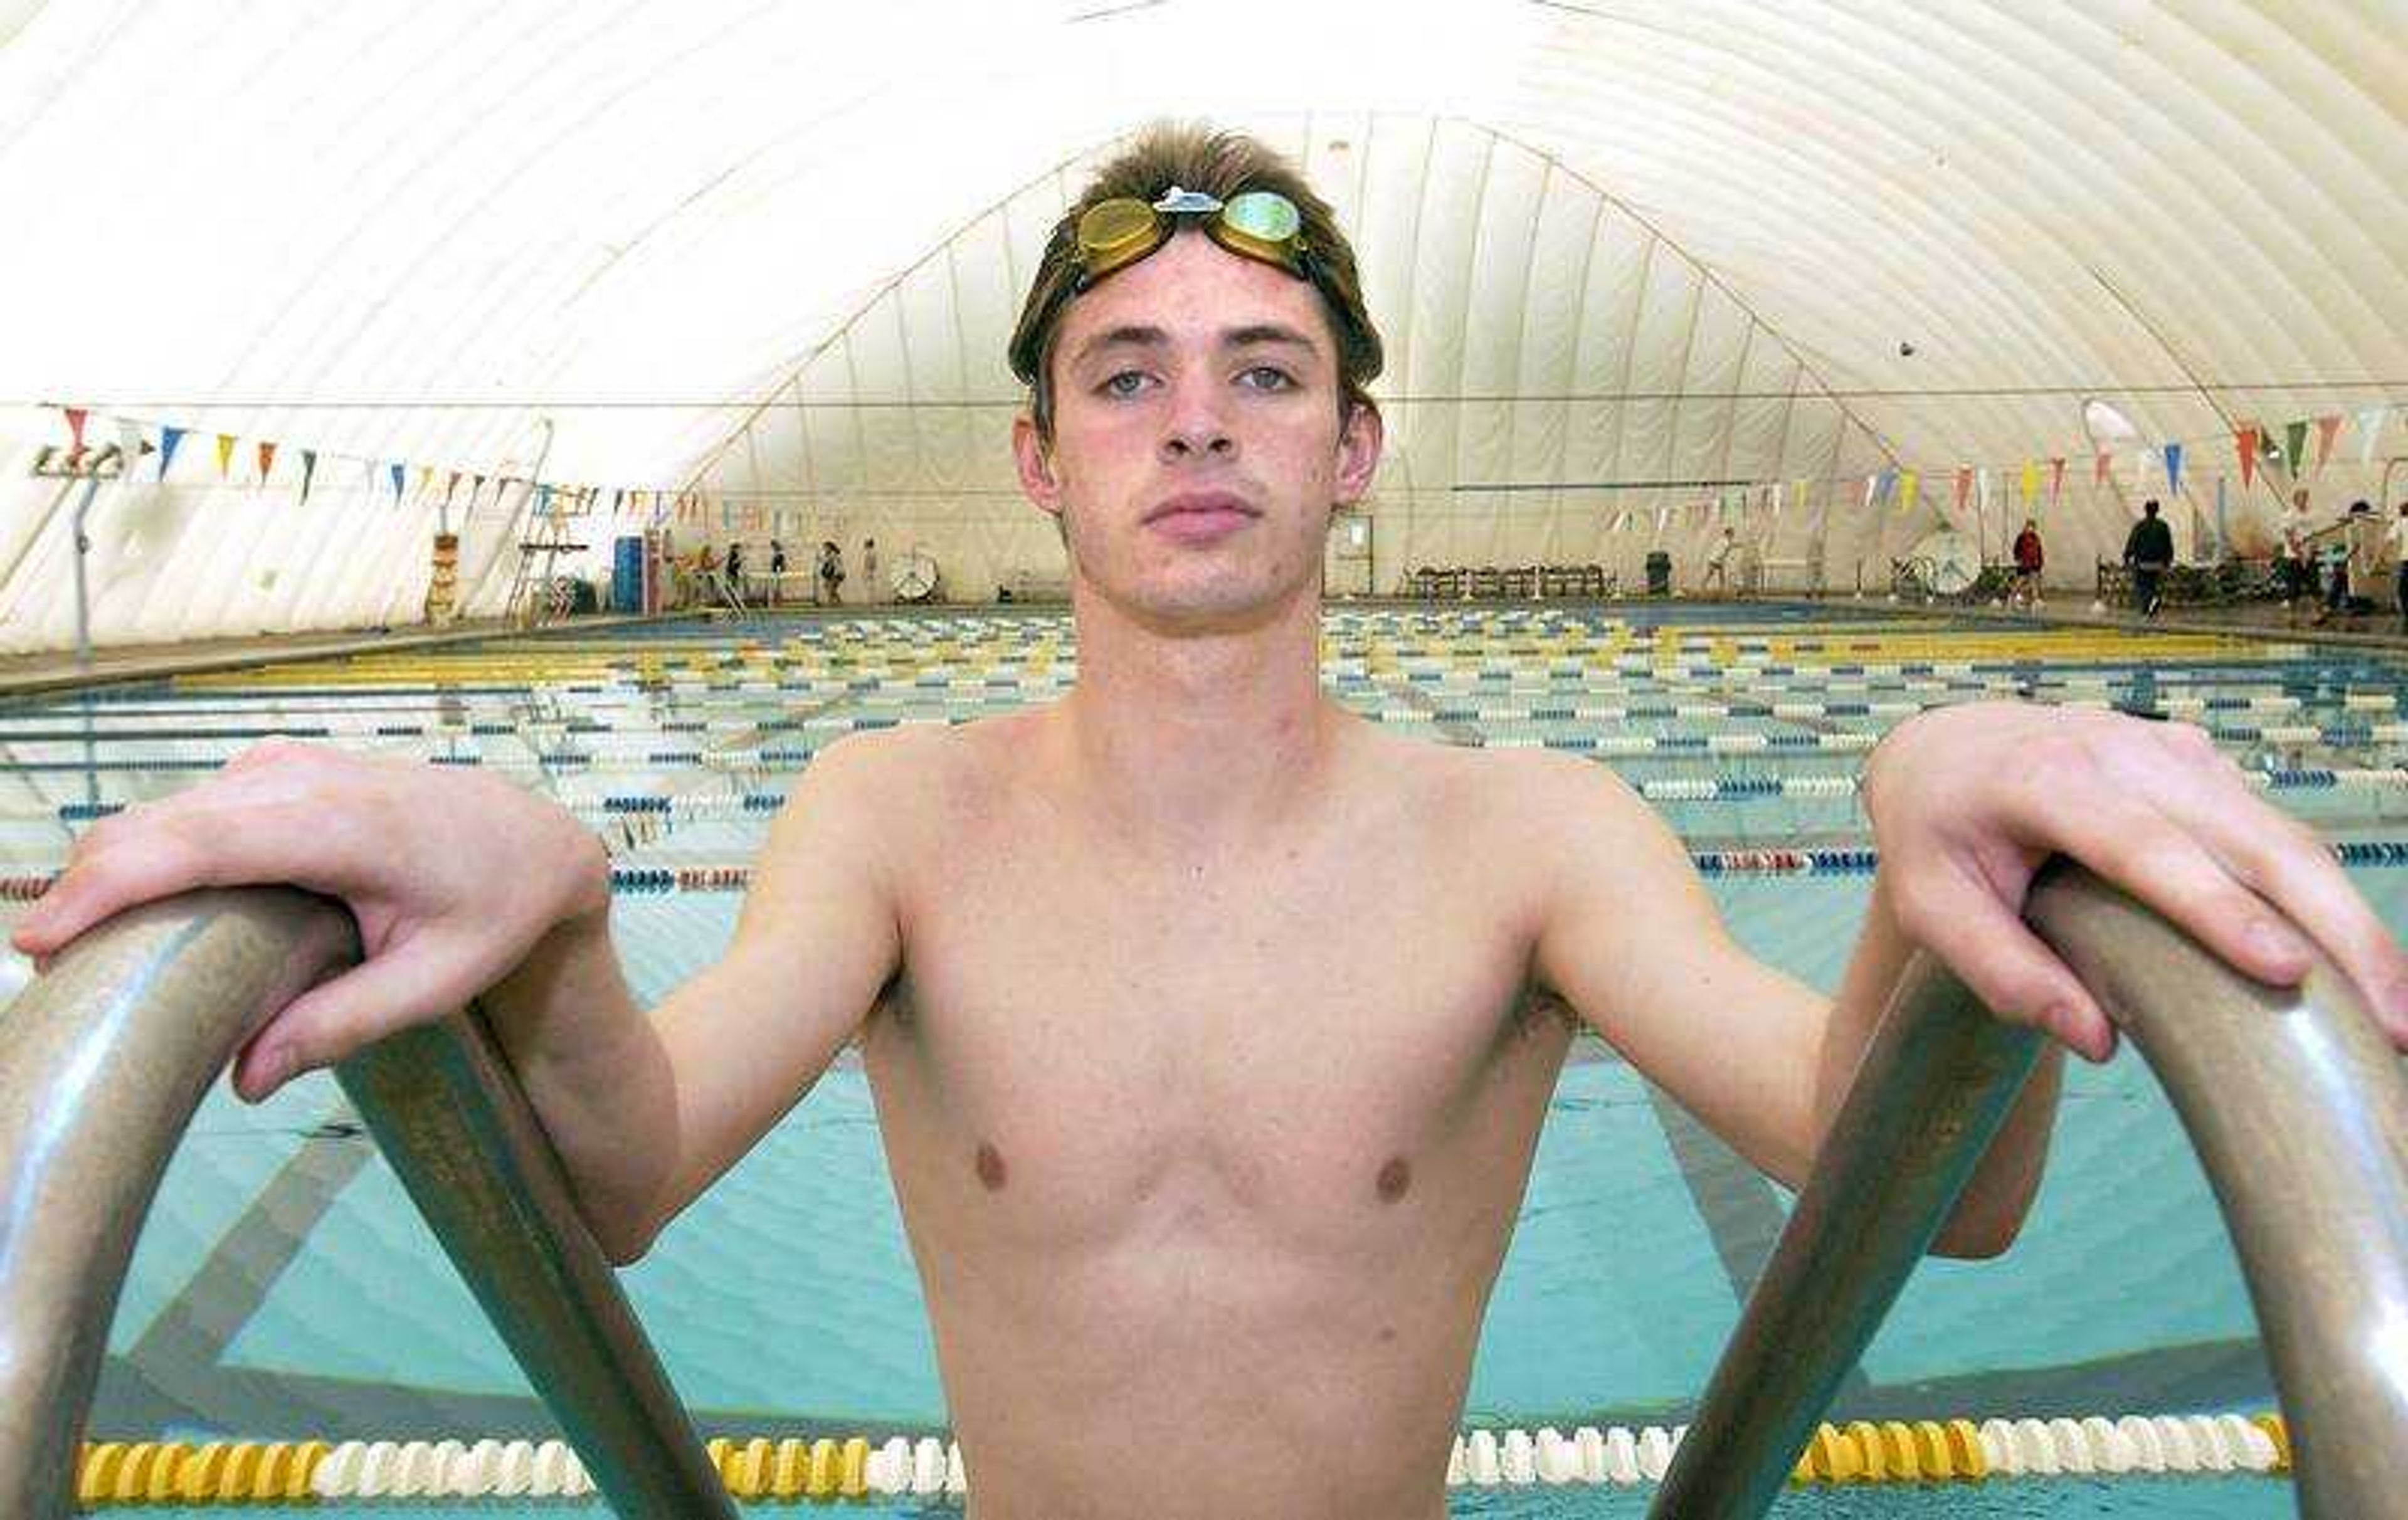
x,y
226,453
1908,483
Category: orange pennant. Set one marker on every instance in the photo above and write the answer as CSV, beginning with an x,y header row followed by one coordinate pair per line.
x,y
2245,440
267,460
74,428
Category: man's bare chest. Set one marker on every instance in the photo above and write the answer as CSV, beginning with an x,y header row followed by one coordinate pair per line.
x,y
1080,1053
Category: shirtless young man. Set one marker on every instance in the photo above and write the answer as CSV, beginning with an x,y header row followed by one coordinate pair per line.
x,y
1212,1027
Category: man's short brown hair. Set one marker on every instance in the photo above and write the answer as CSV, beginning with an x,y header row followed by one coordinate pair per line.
x,y
1222,165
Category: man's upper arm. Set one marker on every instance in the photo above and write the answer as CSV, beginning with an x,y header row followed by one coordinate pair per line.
x,y
1630,938
817,941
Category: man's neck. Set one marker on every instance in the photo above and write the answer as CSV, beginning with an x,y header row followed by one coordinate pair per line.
x,y
1191,739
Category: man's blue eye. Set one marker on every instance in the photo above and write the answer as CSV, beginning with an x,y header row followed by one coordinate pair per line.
x,y
1126,383
1266,377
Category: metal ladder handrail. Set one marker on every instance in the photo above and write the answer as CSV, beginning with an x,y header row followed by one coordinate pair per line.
x,y
2293,1099
104,1060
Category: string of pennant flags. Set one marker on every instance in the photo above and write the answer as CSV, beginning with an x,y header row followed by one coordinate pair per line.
x,y
2302,448
134,438
2256,447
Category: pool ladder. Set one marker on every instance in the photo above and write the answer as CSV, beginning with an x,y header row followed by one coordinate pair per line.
x,y
2297,1105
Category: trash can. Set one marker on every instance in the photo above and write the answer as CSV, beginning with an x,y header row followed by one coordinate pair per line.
x,y
1659,573
627,574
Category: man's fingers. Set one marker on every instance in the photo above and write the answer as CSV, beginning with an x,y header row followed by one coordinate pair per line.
x,y
1960,919
183,844
2171,860
339,1016
2293,870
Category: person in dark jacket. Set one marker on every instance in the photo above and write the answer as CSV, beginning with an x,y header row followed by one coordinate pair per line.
x,y
2149,552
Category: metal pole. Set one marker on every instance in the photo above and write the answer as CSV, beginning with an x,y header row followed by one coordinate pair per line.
x,y
83,550
103,1060
2299,1109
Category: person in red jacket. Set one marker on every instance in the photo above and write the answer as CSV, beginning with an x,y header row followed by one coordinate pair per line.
x,y
2029,558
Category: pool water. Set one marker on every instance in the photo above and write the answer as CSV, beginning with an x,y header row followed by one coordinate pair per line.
x,y
285,1289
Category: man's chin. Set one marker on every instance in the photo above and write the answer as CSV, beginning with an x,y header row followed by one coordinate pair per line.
x,y
1204,608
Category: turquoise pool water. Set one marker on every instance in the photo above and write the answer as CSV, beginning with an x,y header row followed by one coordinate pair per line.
x,y
284,1287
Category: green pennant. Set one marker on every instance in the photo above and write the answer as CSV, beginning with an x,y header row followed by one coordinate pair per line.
x,y
2294,444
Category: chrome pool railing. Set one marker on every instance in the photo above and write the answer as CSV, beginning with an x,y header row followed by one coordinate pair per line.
x,y
2295,1102
103,1062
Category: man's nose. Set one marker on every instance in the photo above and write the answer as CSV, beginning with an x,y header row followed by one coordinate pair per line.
x,y
1197,427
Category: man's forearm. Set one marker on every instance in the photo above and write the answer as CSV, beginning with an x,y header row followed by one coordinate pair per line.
x,y
597,1075
1995,1202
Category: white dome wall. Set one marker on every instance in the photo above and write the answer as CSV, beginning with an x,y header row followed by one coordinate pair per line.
x,y
393,231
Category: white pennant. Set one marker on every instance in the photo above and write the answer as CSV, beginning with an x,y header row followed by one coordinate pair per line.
x,y
2370,428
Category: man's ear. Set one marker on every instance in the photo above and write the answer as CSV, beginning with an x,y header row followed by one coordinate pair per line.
x,y
1359,442
1034,459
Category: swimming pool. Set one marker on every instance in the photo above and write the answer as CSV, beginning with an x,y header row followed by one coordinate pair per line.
x,y
285,1290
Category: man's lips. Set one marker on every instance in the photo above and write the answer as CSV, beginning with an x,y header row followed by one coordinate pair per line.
x,y
1202,503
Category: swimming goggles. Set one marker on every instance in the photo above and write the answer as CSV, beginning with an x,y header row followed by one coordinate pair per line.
x,y
1259,224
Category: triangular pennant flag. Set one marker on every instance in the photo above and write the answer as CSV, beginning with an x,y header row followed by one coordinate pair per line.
x,y
2326,429
543,498
75,429
1982,488
1909,484
2220,484
2370,428
267,460
226,453
2173,467
451,484
1621,521
618,499
1964,486
2100,469
2295,445
309,468
168,438
2031,481
1872,484
396,484
129,447
2055,482
2245,444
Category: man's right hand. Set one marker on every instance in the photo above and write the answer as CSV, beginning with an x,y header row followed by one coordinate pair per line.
x,y
455,877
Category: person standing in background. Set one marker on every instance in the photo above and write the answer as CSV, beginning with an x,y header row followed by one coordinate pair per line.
x,y
2029,559
2291,556
831,572
2149,552
777,572
870,589
2395,543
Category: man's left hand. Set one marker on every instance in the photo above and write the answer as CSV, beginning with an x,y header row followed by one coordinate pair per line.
x,y
1967,802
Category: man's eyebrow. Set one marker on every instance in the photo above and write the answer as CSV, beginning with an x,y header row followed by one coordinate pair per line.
x,y
1266,332
1128,335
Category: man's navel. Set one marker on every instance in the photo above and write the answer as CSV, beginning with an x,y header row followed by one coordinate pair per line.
x,y
1395,1178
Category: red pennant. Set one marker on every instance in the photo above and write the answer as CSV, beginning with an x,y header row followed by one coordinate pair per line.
x,y
267,460
74,428
2246,439
2099,471
2055,482
1964,483
2326,429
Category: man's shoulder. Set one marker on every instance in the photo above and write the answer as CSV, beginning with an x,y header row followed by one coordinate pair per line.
x,y
1495,792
